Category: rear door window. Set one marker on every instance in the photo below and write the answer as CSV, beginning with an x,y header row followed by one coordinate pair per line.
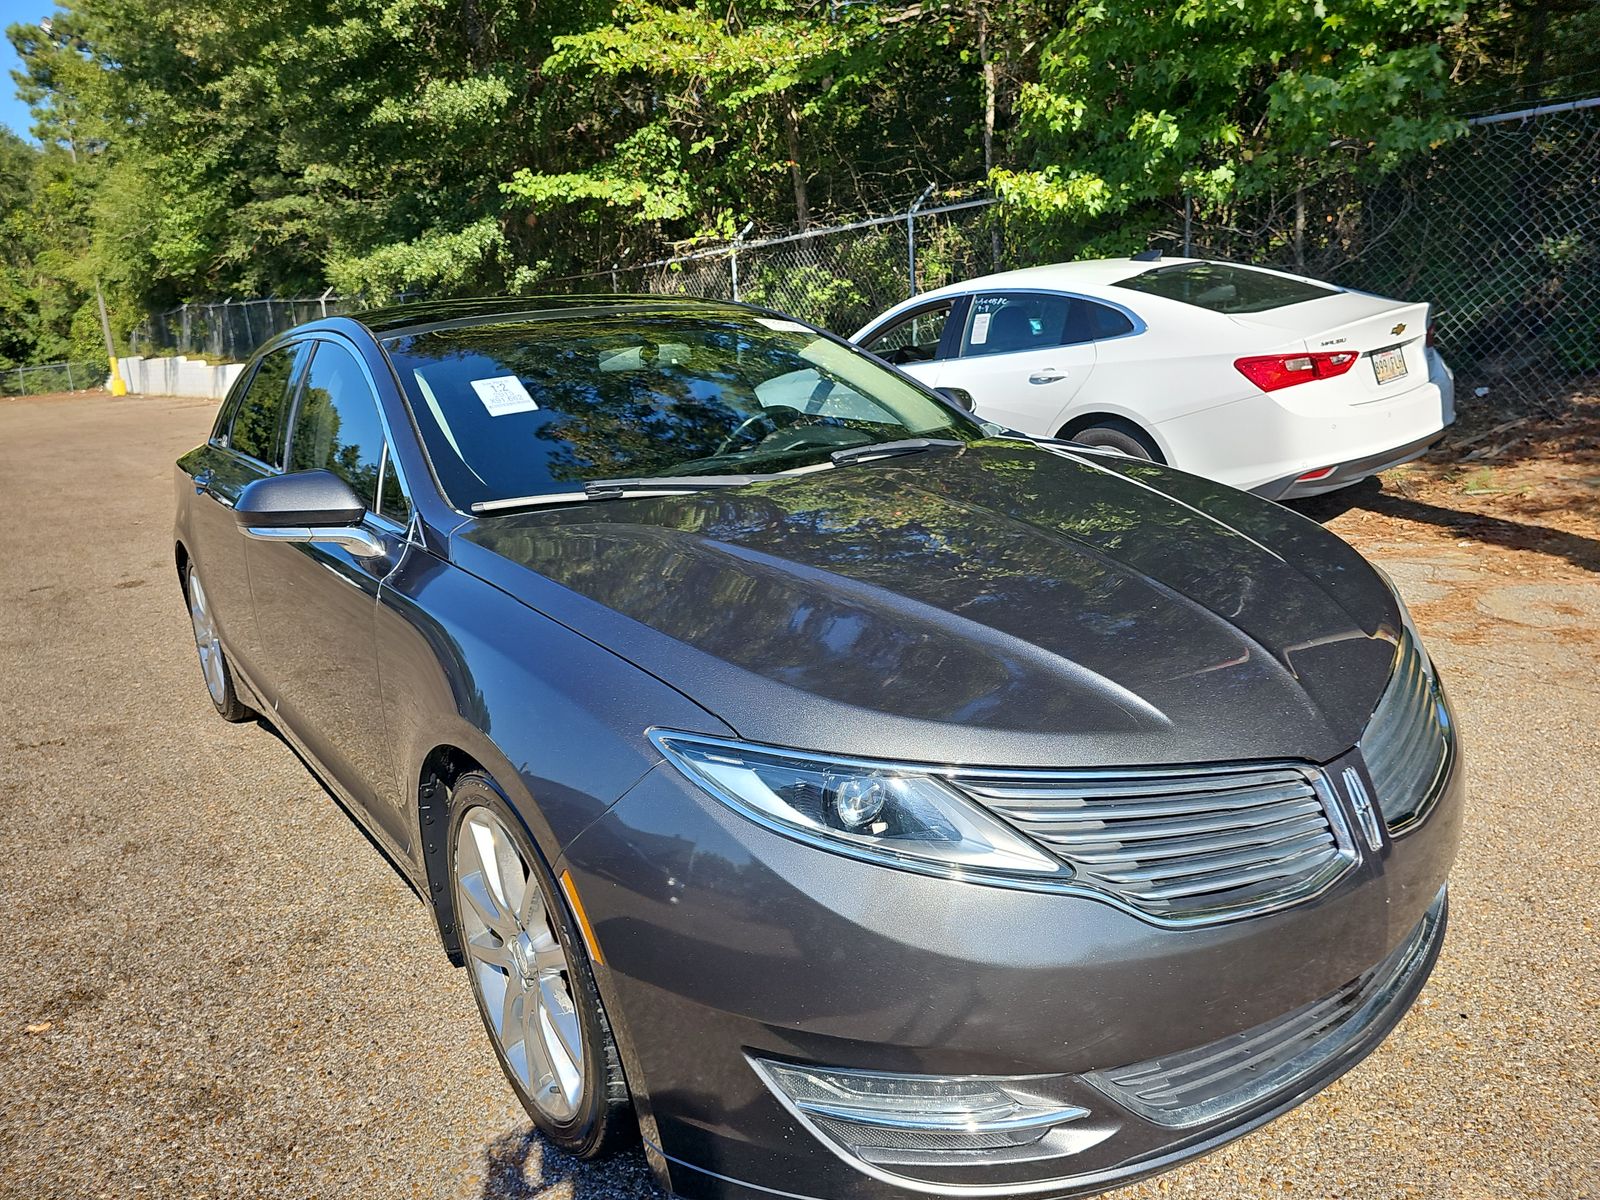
x,y
1225,288
913,338
337,427
258,420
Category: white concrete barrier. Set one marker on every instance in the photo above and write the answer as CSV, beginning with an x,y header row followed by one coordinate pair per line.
x,y
178,376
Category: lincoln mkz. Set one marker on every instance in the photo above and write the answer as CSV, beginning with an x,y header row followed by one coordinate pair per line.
x,y
851,799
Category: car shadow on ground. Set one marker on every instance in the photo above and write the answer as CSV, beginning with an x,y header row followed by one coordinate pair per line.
x,y
1368,495
523,1166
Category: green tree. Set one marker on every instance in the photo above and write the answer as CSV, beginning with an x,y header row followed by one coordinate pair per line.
x,y
222,148
18,308
1225,100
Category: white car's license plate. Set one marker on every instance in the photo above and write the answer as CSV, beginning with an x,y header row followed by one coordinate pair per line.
x,y
1389,365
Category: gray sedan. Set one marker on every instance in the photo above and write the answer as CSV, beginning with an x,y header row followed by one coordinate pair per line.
x,y
849,799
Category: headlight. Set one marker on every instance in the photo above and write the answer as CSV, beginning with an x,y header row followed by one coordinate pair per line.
x,y
902,816
1409,742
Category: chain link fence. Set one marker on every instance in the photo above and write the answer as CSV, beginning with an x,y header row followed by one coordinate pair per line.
x,y
1499,230
230,330
838,277
48,378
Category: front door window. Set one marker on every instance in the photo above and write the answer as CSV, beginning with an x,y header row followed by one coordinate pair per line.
x,y
913,338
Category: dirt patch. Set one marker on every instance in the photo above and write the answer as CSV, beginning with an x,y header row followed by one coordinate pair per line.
x,y
1522,491
48,397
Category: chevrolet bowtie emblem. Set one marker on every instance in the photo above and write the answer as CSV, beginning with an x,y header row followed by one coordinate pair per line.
x,y
1398,329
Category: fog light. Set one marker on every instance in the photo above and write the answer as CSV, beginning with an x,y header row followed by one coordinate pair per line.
x,y
933,1120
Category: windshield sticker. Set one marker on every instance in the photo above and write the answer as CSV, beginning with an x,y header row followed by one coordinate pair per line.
x,y
503,395
980,328
782,326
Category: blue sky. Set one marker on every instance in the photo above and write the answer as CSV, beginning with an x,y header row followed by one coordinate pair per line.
x,y
12,111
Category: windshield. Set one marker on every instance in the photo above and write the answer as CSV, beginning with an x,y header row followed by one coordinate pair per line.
x,y
1226,289
535,407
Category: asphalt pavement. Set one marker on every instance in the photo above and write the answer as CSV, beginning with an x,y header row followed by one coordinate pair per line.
x,y
212,985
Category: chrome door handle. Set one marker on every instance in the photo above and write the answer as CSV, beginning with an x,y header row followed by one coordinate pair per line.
x,y
1046,375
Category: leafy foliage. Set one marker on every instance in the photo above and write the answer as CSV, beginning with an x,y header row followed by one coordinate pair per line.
x,y
1223,100
228,148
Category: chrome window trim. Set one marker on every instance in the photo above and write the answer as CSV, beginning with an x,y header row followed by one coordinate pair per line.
x,y
387,524
384,468
1139,324
1339,822
405,534
251,460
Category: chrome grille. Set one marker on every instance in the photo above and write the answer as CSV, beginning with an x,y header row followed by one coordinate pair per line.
x,y
1182,845
1408,742
1193,1087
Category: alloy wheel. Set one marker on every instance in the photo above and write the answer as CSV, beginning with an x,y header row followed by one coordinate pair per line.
x,y
206,641
518,966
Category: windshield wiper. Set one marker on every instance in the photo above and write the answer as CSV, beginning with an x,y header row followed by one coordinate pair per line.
x,y
615,489
665,485
890,449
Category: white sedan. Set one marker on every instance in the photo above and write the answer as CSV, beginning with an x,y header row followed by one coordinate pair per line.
x,y
1271,382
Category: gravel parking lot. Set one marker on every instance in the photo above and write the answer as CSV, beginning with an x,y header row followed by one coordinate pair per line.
x,y
213,985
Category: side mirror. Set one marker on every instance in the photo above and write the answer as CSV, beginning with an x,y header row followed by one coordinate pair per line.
x,y
957,396
306,506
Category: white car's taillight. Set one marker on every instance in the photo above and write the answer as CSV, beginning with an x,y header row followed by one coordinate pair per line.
x,y
1270,372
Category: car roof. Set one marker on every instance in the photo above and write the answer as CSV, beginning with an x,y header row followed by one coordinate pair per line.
x,y
433,314
1067,276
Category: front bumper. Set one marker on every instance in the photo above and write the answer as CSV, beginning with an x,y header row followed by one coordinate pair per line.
x,y
724,942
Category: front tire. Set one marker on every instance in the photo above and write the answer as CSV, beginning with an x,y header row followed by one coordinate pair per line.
x,y
208,645
531,977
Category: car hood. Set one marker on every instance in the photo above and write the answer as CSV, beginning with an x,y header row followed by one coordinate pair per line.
x,y
1004,604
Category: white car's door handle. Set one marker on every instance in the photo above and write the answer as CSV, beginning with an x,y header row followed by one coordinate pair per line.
x,y
1046,375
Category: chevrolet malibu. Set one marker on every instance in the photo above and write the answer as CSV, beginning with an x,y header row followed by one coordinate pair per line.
x,y
1280,384
849,799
